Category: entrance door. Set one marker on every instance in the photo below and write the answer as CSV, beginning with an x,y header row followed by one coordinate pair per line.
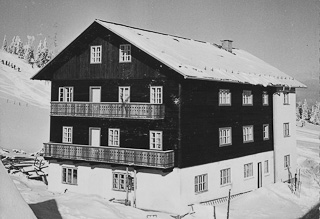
x,y
94,136
259,175
95,94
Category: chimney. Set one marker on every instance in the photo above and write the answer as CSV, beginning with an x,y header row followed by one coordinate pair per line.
x,y
227,45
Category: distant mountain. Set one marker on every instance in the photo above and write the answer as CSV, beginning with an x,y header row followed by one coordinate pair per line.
x,y
24,105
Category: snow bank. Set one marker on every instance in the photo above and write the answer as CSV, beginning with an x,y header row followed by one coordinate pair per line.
x,y
12,205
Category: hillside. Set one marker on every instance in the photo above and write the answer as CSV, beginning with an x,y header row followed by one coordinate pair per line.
x,y
24,105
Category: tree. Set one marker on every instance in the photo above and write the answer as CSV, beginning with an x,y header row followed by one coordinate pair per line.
x,y
298,111
29,50
305,111
4,44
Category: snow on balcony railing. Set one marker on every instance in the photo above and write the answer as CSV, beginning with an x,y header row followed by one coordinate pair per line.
x,y
114,155
108,110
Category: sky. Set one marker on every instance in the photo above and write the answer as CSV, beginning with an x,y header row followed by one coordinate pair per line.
x,y
284,33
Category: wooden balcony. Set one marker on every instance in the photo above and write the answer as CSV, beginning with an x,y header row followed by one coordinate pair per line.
x,y
108,110
111,155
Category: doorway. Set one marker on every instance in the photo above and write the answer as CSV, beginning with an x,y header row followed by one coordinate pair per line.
x,y
95,94
259,174
94,136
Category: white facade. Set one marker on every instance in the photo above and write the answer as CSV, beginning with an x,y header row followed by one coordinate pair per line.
x,y
171,191
284,145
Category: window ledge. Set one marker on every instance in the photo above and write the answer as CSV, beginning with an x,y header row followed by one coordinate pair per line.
x,y
198,193
248,141
266,174
249,177
227,184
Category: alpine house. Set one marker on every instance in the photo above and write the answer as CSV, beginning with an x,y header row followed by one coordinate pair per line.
x,y
163,121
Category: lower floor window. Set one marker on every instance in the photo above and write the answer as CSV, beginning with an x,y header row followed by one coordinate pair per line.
x,y
225,176
286,161
119,181
201,183
69,175
266,166
248,170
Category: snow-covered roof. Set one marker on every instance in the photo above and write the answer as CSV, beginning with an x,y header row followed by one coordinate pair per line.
x,y
201,60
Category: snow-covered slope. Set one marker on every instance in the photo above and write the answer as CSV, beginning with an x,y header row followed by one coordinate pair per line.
x,y
24,105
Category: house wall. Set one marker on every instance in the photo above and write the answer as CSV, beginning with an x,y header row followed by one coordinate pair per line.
x,y
284,145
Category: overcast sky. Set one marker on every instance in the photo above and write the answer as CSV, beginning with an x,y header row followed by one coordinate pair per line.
x,y
284,33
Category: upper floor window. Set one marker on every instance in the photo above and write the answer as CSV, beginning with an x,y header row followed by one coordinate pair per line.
x,y
247,97
124,94
125,53
266,166
156,140
156,94
265,99
201,183
65,94
247,133
114,137
248,170
224,97
67,134
225,176
265,131
286,98
286,132
286,161
225,136
95,54
69,175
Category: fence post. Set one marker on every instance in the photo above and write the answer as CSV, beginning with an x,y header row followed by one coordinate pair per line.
x,y
228,204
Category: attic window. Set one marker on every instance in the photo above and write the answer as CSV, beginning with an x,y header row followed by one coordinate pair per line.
x,y
95,54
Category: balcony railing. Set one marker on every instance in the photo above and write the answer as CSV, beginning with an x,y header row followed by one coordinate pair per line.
x,y
112,155
108,110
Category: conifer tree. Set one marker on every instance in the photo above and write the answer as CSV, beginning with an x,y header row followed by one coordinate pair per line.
x,y
305,111
4,44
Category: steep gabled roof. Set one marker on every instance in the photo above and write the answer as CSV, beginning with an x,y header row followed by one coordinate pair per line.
x,y
199,60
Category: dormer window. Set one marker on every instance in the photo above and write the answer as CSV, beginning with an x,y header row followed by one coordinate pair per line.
x,y
125,53
95,54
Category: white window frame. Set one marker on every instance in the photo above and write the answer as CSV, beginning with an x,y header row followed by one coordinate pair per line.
x,y
156,94
286,161
67,134
248,170
201,183
225,176
113,137
225,136
125,53
224,97
155,140
65,94
286,129
119,181
247,98
286,98
266,132
266,167
265,98
124,94
96,54
71,179
248,133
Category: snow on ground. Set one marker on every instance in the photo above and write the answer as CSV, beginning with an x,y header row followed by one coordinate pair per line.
x,y
273,201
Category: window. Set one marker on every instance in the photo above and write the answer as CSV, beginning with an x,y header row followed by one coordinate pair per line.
x,y
201,183
114,137
286,98
248,170
119,181
156,140
69,175
225,176
286,161
67,134
65,94
265,131
286,132
224,97
124,94
247,133
156,94
247,97
225,136
265,99
125,53
266,166
95,55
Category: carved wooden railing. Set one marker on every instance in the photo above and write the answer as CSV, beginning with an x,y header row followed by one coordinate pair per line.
x,y
112,155
108,110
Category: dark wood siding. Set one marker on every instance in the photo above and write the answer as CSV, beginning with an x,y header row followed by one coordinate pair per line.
x,y
201,118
